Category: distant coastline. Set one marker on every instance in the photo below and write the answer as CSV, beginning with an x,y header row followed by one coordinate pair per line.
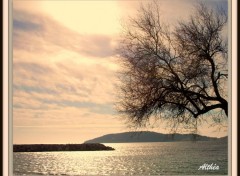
x,y
59,147
147,136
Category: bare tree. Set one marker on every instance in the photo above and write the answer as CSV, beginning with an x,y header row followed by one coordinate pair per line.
x,y
176,74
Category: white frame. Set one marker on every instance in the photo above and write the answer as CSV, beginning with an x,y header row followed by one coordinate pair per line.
x,y
7,131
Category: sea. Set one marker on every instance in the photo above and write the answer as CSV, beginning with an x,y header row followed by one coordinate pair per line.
x,y
157,158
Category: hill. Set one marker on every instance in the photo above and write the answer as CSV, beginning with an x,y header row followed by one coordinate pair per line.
x,y
147,136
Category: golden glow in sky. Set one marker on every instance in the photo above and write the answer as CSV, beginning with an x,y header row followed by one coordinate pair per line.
x,y
64,68
97,17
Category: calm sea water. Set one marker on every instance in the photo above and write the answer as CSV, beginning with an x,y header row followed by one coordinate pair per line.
x,y
163,158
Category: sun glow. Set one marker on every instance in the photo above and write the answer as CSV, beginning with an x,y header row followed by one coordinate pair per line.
x,y
84,16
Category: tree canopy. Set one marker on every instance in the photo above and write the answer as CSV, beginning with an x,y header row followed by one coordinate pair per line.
x,y
175,72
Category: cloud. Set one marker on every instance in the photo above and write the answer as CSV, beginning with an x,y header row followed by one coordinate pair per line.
x,y
33,67
37,33
170,11
25,26
60,77
64,83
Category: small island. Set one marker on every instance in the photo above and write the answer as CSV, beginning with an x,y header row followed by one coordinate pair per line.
x,y
59,147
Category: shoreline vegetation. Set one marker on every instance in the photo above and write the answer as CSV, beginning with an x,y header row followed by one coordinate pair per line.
x,y
59,147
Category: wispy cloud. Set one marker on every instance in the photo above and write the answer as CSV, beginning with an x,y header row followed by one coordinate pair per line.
x,y
36,32
60,77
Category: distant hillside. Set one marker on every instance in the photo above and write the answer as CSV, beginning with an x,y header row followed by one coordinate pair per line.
x,y
150,137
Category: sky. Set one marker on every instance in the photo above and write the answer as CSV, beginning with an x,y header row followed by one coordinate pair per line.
x,y
65,67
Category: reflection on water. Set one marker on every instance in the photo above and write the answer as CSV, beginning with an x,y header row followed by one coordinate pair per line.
x,y
171,158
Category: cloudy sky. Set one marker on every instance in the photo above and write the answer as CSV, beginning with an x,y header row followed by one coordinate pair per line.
x,y
64,67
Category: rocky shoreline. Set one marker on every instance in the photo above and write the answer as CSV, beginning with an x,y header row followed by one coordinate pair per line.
x,y
60,147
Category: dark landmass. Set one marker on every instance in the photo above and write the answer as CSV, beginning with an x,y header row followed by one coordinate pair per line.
x,y
147,136
60,147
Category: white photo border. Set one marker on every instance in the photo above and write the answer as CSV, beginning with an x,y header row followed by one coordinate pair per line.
x,y
5,160
7,91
